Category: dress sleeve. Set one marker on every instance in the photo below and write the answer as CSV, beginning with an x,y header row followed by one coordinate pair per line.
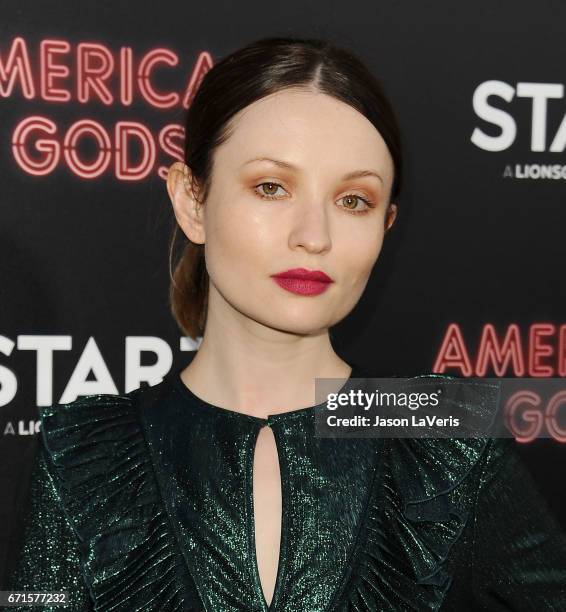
x,y
519,548
47,558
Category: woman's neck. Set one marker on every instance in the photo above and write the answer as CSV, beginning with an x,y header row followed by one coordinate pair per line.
x,y
260,377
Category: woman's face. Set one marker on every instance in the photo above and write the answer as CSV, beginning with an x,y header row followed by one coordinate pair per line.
x,y
299,211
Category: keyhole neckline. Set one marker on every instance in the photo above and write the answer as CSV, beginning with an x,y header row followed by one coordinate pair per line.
x,y
357,372
273,605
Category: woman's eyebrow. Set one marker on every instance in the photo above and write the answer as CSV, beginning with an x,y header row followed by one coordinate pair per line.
x,y
360,174
289,166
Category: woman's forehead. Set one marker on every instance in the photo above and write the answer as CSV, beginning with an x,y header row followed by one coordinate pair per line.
x,y
304,127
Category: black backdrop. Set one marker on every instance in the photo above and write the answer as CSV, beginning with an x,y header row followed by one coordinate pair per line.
x,y
479,245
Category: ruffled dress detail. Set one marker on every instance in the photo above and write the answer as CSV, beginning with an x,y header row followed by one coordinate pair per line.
x,y
413,505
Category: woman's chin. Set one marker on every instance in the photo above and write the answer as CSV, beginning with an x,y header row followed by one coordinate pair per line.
x,y
299,323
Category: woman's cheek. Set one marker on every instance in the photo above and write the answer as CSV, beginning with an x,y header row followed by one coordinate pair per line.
x,y
364,251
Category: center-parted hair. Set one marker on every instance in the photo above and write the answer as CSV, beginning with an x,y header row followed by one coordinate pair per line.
x,y
253,72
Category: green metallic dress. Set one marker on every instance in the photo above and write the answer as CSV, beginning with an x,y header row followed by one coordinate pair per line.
x,y
143,502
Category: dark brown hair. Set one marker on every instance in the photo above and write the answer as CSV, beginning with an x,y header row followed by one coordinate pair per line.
x,y
243,77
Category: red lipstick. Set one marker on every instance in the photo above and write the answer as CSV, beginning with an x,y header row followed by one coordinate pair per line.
x,y
302,281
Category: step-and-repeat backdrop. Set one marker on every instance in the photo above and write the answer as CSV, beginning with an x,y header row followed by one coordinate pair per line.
x,y
92,103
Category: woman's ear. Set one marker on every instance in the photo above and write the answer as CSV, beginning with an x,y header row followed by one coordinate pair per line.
x,y
188,211
390,216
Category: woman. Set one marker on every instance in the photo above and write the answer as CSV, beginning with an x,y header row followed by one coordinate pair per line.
x,y
210,491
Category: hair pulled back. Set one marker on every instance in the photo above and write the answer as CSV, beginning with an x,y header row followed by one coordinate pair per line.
x,y
250,73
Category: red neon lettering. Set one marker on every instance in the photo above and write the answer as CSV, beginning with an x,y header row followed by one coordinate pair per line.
x,y
555,403
98,166
95,64
126,72
156,56
502,355
95,69
167,137
453,353
537,350
17,66
203,64
50,148
50,70
124,168
562,351
534,417
490,349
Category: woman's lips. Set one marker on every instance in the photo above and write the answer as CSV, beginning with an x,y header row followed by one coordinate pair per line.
x,y
302,286
303,282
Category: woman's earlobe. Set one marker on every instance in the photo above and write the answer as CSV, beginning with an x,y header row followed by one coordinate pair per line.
x,y
185,206
390,216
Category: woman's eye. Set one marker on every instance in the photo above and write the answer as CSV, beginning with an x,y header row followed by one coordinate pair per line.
x,y
351,203
268,190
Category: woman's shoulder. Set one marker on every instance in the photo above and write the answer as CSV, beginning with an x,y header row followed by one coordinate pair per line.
x,y
85,405
97,436
436,463
438,477
96,453
428,490
86,440
98,459
101,417
91,427
431,466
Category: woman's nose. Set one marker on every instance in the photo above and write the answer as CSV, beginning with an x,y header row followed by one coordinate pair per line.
x,y
311,227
